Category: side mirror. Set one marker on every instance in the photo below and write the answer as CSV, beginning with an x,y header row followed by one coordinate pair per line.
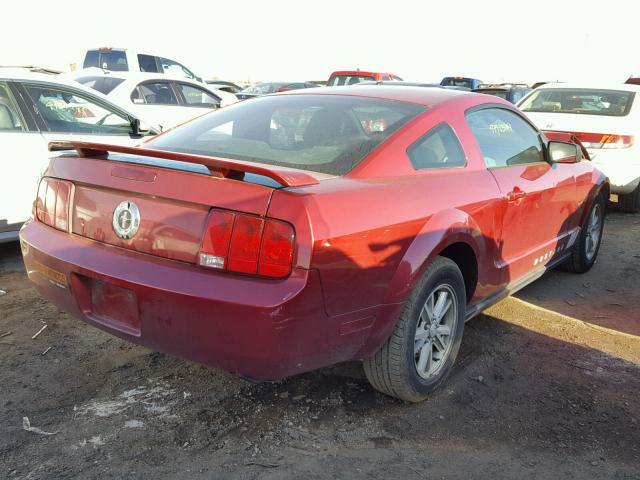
x,y
141,128
563,152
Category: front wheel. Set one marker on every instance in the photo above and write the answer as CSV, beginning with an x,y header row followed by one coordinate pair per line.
x,y
585,251
420,353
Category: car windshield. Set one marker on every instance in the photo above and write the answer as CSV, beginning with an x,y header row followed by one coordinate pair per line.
x,y
114,60
339,80
321,133
457,82
102,84
615,103
262,88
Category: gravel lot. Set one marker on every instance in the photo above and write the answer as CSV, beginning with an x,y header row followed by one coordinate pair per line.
x,y
546,386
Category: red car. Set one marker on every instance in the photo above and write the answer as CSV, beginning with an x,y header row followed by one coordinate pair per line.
x,y
303,229
351,77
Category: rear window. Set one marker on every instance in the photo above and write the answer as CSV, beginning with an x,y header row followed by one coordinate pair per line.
x,y
114,60
613,103
321,133
457,82
102,84
339,80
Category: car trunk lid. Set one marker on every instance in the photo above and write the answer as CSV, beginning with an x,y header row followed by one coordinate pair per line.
x,y
172,196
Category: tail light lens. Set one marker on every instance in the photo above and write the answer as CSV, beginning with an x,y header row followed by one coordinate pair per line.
x,y
605,140
52,203
248,244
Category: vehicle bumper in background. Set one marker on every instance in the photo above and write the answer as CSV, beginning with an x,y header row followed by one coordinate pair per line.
x,y
9,233
622,167
263,329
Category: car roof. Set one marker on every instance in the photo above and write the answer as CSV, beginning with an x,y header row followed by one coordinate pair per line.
x,y
31,73
417,95
591,86
400,83
132,77
359,72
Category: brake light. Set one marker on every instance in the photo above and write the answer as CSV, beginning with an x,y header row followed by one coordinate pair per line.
x,y
52,203
241,243
283,89
605,140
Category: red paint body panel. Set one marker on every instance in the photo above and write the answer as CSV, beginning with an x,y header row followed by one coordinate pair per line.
x,y
362,242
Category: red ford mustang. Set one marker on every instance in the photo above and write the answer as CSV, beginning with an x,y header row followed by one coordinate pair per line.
x,y
299,230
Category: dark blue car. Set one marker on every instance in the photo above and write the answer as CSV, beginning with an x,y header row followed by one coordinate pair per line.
x,y
464,82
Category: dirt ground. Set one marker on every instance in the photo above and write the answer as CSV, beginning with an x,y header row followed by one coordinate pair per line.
x,y
547,385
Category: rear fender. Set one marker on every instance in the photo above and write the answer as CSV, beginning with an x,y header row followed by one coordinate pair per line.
x,y
441,230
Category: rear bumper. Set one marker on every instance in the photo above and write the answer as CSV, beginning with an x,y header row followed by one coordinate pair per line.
x,y
263,329
622,167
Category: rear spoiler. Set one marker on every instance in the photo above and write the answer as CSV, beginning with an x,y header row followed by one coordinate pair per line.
x,y
568,137
287,177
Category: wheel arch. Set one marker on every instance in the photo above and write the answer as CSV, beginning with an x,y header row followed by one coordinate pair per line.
x,y
453,234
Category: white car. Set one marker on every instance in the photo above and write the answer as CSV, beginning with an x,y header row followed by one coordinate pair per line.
x,y
126,60
37,108
164,101
606,119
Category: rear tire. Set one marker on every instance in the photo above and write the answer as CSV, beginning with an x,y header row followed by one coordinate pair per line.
x,y
630,203
420,352
585,251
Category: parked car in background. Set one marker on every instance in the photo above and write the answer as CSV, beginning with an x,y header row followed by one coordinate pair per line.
x,y
539,84
271,248
229,87
126,60
511,92
37,108
606,119
166,102
267,88
464,82
351,77
404,83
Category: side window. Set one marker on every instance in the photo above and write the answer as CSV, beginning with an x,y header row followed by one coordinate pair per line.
x,y
9,116
197,97
159,93
91,59
69,112
438,148
505,138
171,66
147,63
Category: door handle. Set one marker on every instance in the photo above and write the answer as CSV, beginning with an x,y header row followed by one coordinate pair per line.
x,y
515,194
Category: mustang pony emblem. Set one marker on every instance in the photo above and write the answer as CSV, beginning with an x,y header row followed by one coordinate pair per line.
x,y
126,220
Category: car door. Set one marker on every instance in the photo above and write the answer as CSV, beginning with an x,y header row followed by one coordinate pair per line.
x,y
539,198
64,113
23,155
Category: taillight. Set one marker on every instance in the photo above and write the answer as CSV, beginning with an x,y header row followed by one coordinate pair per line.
x,y
241,243
605,140
52,203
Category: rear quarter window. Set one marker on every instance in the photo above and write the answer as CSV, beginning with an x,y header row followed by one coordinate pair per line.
x,y
438,148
